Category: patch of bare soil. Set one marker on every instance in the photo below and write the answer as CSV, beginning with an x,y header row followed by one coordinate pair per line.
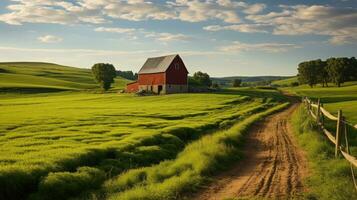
x,y
273,167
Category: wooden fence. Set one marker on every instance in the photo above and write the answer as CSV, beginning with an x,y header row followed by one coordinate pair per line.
x,y
319,113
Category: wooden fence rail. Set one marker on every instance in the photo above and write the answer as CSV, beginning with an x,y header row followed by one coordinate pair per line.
x,y
319,113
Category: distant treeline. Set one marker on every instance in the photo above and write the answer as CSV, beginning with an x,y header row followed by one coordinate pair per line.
x,y
128,75
335,70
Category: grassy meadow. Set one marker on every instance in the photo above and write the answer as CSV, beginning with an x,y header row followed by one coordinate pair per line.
x,y
285,82
77,143
71,137
332,97
29,77
330,178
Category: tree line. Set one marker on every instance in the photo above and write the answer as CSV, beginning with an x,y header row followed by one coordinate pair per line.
x,y
335,70
130,75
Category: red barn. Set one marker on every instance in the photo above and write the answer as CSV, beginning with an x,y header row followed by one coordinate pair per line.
x,y
161,75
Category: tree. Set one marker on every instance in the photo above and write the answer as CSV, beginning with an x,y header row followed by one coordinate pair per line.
x,y
320,68
202,79
104,74
127,74
352,69
337,69
215,85
294,84
237,82
307,73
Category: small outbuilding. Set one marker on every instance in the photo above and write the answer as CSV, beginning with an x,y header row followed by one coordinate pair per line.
x,y
161,75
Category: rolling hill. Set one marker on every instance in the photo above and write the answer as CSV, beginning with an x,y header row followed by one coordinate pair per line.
x,y
285,82
35,77
248,79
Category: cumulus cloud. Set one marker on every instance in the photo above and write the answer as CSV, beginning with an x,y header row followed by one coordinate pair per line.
x,y
101,11
338,23
50,39
196,10
255,8
48,11
134,33
134,10
244,28
266,47
168,37
115,30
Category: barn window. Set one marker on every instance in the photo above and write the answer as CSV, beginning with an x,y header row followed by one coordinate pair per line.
x,y
177,66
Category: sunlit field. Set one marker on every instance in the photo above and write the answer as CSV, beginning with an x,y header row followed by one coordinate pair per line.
x,y
332,97
29,77
67,144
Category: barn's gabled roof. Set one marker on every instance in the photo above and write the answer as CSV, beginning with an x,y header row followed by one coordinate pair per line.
x,y
157,64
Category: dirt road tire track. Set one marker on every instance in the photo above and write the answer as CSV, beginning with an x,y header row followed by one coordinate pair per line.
x,y
273,167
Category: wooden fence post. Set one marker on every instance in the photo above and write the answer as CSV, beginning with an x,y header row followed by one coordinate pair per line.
x,y
346,135
318,112
338,132
322,116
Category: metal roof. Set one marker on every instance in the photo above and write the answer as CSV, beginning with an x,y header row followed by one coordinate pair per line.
x,y
157,64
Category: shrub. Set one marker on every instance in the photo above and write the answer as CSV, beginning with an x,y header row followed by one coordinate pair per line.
x,y
294,84
237,82
61,185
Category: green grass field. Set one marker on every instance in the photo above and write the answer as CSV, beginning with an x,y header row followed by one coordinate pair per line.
x,y
75,143
285,82
329,178
333,98
61,139
32,77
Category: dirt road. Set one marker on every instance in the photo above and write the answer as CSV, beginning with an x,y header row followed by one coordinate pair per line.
x,y
273,167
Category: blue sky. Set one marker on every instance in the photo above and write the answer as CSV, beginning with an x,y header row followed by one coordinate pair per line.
x,y
221,37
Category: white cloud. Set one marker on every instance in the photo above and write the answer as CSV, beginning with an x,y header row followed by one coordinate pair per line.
x,y
48,11
115,30
245,28
255,8
167,37
197,10
267,47
50,39
135,33
134,10
338,23
101,11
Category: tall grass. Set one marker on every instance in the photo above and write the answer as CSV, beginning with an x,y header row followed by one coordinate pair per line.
x,y
50,137
199,160
329,178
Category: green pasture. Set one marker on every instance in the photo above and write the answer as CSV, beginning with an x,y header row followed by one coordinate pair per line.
x,y
65,144
329,177
285,82
46,77
333,98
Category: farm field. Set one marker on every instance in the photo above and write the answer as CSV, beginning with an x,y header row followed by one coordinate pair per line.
x,y
332,97
33,77
76,141
285,82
